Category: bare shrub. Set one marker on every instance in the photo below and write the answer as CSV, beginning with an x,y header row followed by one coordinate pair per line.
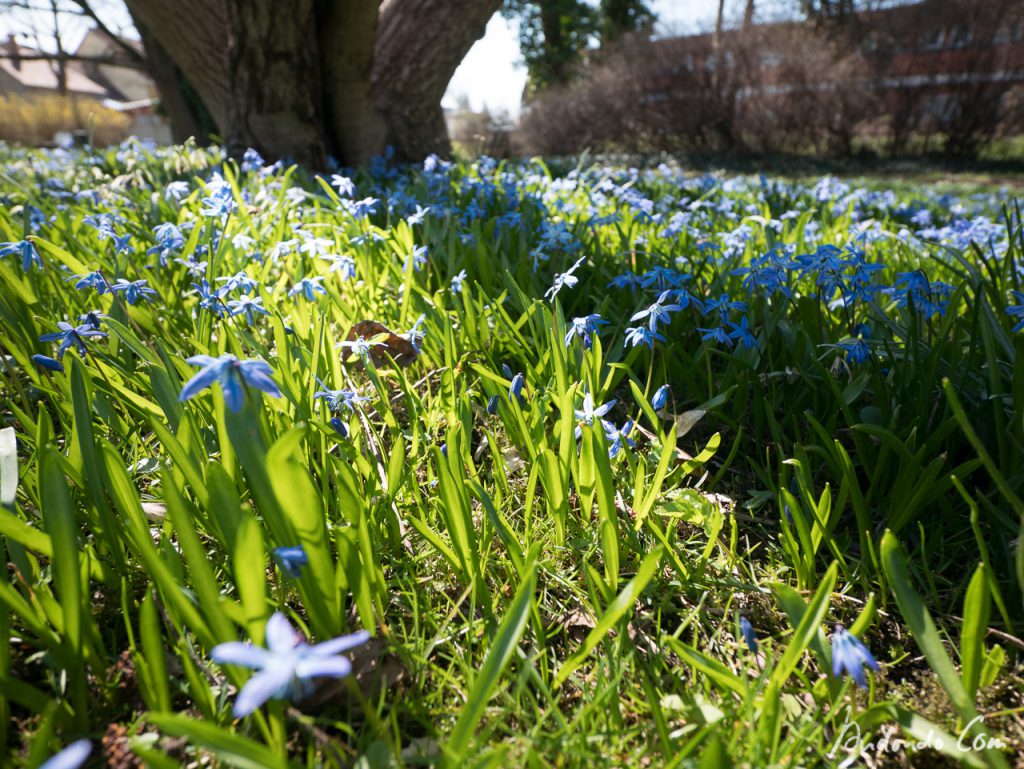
x,y
884,79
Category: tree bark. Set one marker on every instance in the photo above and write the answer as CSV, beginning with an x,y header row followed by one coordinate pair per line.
x,y
194,33
419,45
274,76
162,69
347,34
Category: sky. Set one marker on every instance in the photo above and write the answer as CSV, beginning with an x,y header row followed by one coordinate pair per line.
x,y
492,75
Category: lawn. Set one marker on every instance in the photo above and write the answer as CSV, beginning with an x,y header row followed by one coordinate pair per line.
x,y
477,464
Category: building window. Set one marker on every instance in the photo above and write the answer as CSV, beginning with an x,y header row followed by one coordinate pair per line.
x,y
932,39
959,37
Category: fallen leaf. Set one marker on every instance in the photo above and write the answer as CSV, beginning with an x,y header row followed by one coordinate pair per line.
x,y
384,340
686,421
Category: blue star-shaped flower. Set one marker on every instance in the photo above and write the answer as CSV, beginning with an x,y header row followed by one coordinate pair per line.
x,y
850,655
233,375
288,666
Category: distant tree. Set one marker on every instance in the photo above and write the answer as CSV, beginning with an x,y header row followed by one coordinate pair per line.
x,y
624,17
824,11
556,36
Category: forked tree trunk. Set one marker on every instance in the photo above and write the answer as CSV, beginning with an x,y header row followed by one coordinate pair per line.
x,y
184,123
418,47
306,78
274,81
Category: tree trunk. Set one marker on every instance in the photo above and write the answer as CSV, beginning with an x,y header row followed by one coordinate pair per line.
x,y
274,72
194,34
301,79
347,33
184,123
419,45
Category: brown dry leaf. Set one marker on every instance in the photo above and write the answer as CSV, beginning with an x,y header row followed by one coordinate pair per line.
x,y
576,623
686,421
384,341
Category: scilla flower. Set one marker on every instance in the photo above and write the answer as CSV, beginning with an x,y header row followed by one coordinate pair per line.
x,y
660,399
26,250
291,560
749,636
515,390
233,375
71,336
584,328
72,757
850,655
287,667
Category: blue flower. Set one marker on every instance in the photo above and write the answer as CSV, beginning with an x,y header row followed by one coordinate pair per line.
x,y
103,224
660,399
418,258
516,388
741,333
749,636
247,305
94,280
359,346
252,160
291,560
416,334
723,305
240,281
583,328
589,413
337,400
71,336
625,280
288,666
662,278
176,190
418,216
361,208
346,188
1016,311
92,318
616,436
308,287
717,334
492,404
233,375
219,200
857,350
657,313
339,426
133,290
192,267
72,757
168,240
26,249
642,335
47,362
209,299
564,280
457,282
346,264
850,655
